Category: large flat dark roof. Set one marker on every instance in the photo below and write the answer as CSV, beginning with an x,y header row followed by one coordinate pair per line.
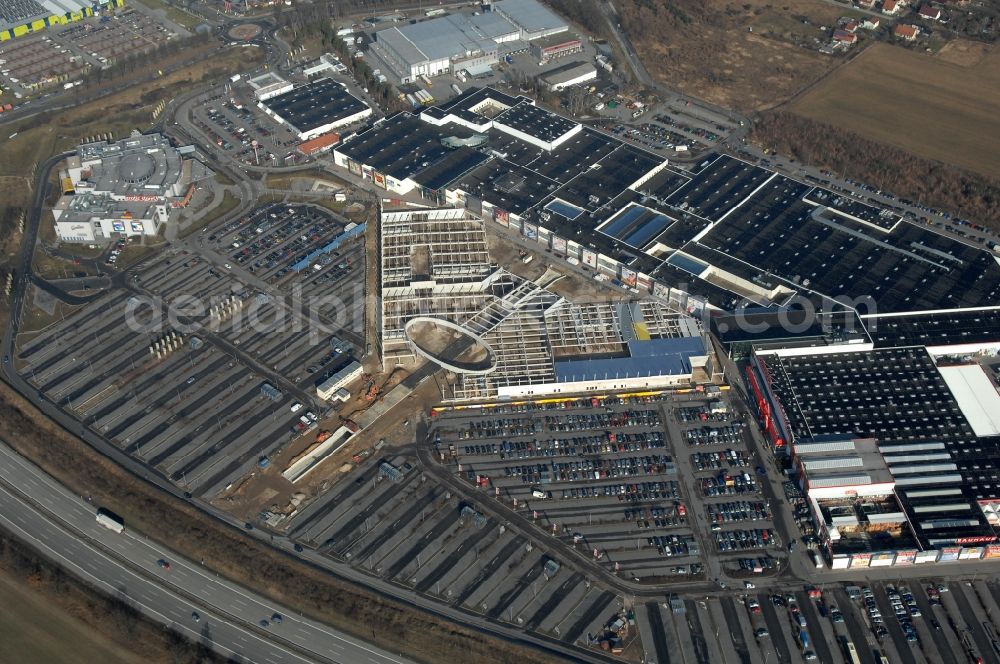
x,y
945,328
536,122
316,104
895,394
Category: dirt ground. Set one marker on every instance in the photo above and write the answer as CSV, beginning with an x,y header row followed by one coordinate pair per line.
x,y
963,53
40,632
745,55
926,105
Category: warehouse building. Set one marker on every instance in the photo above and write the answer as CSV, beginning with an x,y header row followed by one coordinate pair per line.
x,y
574,73
934,426
129,187
22,17
532,18
556,46
451,43
442,45
316,108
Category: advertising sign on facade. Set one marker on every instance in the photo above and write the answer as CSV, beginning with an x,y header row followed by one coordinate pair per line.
x,y
502,217
118,226
559,245
906,557
366,171
882,559
354,167
926,556
378,178
949,553
861,560
629,277
589,258
531,231
992,551
971,553
136,227
661,291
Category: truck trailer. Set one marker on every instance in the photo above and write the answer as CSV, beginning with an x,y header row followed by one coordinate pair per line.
x,y
110,520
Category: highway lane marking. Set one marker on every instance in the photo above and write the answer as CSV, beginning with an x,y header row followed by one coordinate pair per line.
x,y
238,590
99,580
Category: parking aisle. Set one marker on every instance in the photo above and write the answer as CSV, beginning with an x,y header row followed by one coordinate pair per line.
x,y
726,638
654,638
937,631
740,629
824,643
689,634
892,625
971,611
775,626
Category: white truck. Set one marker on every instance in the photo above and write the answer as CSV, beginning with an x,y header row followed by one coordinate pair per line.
x,y
110,520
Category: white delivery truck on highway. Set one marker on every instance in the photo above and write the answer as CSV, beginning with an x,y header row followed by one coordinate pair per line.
x,y
110,520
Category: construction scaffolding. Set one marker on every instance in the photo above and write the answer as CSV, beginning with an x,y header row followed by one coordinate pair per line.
x,y
435,264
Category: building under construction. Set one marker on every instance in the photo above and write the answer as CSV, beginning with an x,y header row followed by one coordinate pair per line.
x,y
502,336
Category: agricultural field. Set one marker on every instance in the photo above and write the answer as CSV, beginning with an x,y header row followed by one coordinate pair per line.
x,y
929,106
41,632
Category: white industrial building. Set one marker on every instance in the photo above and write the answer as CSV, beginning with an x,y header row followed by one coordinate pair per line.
x,y
125,188
269,85
460,41
329,388
316,108
533,19
569,75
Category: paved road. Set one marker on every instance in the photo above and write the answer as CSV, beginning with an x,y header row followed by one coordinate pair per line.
x,y
62,526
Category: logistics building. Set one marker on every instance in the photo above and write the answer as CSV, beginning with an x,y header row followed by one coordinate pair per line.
x,y
125,188
451,43
21,17
316,108
569,75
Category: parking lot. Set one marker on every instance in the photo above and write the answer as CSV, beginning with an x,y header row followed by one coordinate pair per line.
x,y
65,53
187,392
123,35
397,523
233,123
607,474
183,403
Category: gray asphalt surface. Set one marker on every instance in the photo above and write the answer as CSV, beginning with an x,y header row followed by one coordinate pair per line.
x,y
62,526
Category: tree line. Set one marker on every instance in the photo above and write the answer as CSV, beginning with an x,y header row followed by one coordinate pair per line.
x,y
970,195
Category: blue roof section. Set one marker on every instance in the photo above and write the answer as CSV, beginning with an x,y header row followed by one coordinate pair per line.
x,y
656,357
560,206
636,225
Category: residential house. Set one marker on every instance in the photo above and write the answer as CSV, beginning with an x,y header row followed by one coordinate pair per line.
x,y
851,26
892,7
866,4
907,32
844,37
871,23
930,13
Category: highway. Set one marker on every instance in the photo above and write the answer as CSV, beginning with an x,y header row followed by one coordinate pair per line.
x,y
62,526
